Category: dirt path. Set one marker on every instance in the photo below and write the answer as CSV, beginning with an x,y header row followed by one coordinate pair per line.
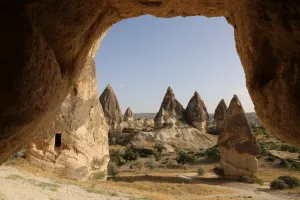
x,y
244,191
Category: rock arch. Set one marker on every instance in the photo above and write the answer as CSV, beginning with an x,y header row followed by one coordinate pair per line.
x,y
45,44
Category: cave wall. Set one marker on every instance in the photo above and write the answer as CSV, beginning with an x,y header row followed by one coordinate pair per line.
x,y
46,43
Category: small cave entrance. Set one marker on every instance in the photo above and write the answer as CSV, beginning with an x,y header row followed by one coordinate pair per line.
x,y
57,143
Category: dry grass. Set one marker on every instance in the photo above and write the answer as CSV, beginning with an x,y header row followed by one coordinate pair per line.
x,y
163,188
44,185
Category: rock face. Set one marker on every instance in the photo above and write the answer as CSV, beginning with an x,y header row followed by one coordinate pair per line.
x,y
128,116
45,47
220,116
196,112
183,136
238,145
170,111
74,143
112,111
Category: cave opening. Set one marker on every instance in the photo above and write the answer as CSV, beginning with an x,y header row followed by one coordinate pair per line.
x,y
57,143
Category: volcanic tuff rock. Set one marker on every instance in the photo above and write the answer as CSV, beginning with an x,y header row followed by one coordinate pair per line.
x,y
238,145
80,147
196,112
170,110
128,114
220,115
57,45
112,111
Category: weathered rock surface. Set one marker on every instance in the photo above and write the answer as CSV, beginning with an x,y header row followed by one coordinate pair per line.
x,y
79,148
196,112
238,145
183,137
112,111
45,46
170,111
128,116
220,116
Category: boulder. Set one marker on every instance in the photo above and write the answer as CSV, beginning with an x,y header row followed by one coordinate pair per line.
x,y
220,115
74,143
170,110
128,116
238,144
196,112
112,111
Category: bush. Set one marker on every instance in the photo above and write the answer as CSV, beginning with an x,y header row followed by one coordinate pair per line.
x,y
285,164
244,179
130,155
289,148
278,184
291,181
271,159
218,171
129,130
112,169
201,171
183,158
213,152
159,146
151,163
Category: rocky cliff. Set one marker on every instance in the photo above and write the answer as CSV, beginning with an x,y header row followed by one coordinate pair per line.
x,y
79,148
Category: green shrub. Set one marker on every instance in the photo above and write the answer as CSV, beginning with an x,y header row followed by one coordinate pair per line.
x,y
271,159
130,155
112,169
291,181
285,164
129,130
151,163
183,158
264,150
218,171
159,146
278,184
290,164
201,171
213,152
291,149
244,179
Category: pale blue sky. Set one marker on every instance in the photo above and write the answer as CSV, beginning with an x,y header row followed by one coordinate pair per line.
x,y
141,57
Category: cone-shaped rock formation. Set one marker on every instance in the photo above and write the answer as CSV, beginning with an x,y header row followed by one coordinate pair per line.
x,y
220,115
112,111
128,114
239,147
196,112
170,110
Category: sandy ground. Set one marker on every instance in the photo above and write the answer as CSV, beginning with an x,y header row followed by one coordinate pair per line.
x,y
18,184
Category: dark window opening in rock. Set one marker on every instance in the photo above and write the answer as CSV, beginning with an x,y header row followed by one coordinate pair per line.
x,y
57,140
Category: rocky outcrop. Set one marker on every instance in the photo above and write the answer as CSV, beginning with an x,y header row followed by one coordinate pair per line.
x,y
183,137
112,111
196,112
238,145
128,116
74,143
45,46
170,111
220,116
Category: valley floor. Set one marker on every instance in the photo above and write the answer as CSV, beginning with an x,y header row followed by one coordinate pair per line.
x,y
20,181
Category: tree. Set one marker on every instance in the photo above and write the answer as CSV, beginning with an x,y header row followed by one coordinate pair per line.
x,y
130,155
183,158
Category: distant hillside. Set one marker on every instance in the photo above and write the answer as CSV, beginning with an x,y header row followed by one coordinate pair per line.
x,y
251,117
